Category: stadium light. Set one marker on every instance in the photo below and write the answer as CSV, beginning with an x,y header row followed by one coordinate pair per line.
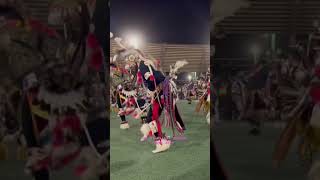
x,y
134,40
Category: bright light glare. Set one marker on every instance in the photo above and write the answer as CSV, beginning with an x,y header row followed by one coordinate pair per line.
x,y
134,40
189,77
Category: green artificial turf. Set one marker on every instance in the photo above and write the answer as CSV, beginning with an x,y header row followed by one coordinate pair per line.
x,y
185,160
247,157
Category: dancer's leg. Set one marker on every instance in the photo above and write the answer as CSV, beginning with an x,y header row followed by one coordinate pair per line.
x,y
153,117
145,128
178,117
162,144
253,117
141,104
124,124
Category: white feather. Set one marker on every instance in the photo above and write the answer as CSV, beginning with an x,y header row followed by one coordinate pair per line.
x,y
114,58
119,42
180,64
176,67
58,101
129,93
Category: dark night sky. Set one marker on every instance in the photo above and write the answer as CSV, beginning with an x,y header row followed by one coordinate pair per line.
x,y
238,45
162,21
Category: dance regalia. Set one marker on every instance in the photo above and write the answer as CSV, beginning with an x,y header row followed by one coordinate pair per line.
x,y
60,128
238,96
208,102
303,121
191,91
204,99
162,91
116,80
60,124
162,98
63,114
256,97
130,102
204,91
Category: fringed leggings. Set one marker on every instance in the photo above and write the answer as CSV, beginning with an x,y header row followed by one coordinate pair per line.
x,y
155,112
122,117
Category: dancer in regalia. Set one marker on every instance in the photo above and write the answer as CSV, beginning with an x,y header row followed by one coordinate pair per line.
x,y
62,118
238,95
130,98
162,98
163,93
191,91
256,104
117,75
15,52
204,99
303,114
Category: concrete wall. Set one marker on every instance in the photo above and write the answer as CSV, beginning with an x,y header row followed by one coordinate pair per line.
x,y
198,55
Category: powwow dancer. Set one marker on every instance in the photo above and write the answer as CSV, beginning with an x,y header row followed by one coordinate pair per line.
x,y
131,104
238,94
138,103
117,78
162,91
60,122
190,91
16,49
204,99
130,98
215,98
303,117
208,102
59,127
256,105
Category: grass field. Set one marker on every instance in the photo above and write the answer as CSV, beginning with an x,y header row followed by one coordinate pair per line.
x,y
250,158
185,160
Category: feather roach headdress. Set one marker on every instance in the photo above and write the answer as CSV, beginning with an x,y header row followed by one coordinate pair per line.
x,y
174,69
